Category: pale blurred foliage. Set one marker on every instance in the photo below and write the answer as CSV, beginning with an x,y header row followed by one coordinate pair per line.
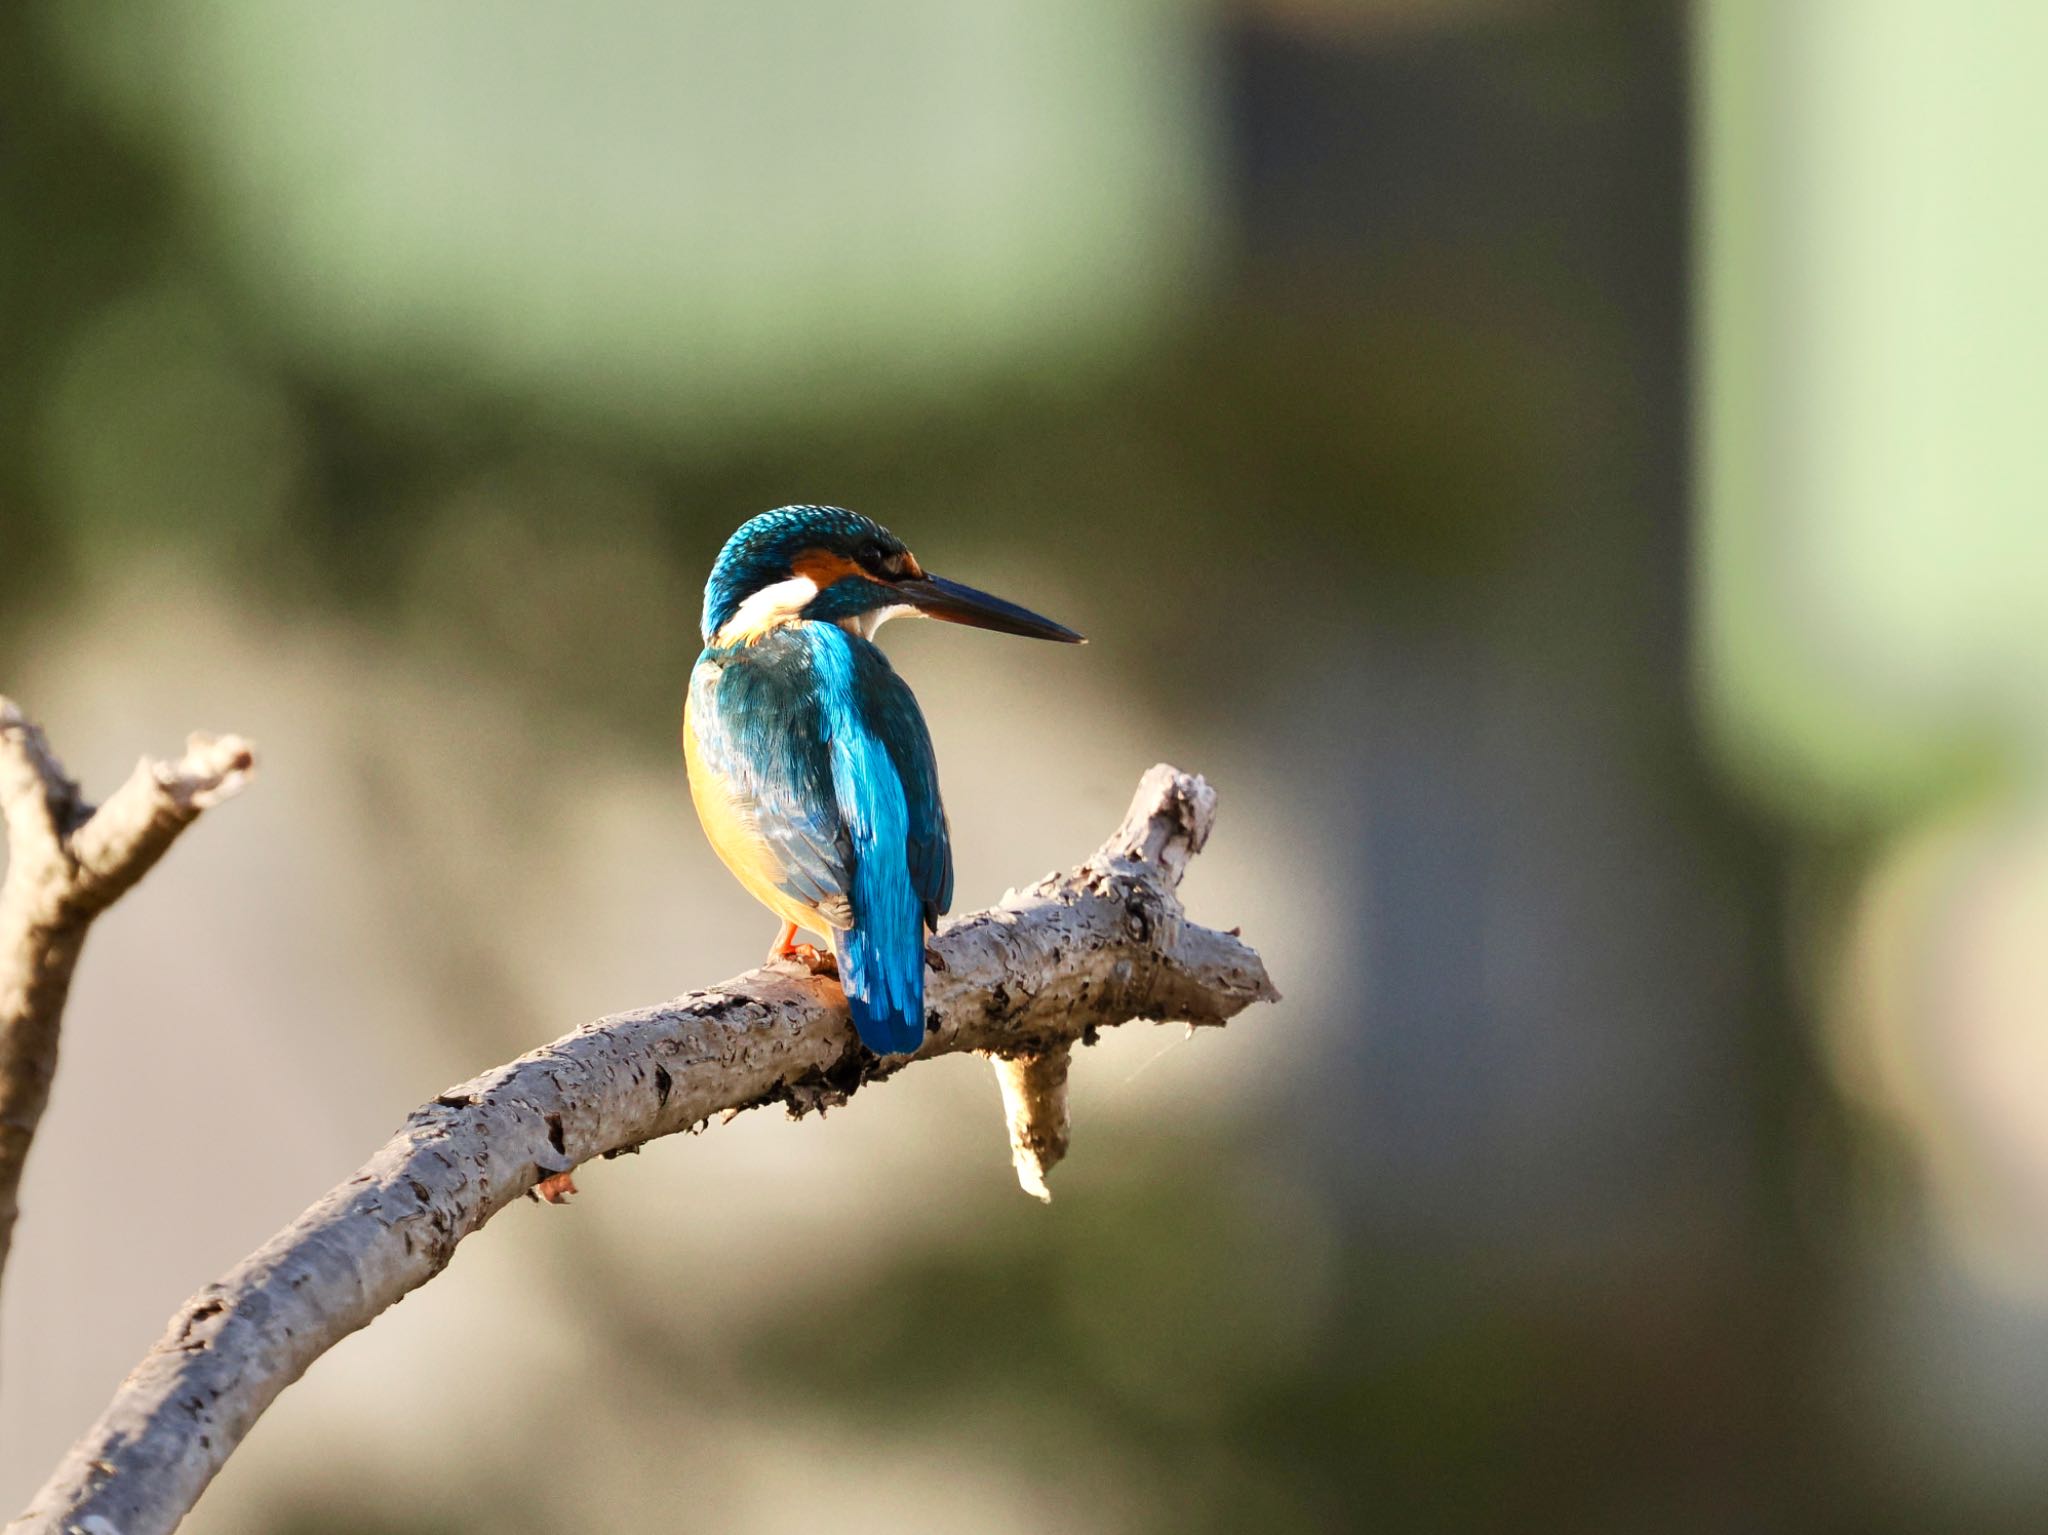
x,y
428,877
1941,1023
1873,538
664,217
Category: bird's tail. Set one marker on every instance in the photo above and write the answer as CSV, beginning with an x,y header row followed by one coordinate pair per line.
x,y
884,989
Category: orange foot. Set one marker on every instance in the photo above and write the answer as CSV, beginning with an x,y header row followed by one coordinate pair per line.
x,y
810,956
814,959
556,1188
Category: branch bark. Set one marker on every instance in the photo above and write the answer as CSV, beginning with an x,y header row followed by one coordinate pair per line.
x,y
67,863
1101,945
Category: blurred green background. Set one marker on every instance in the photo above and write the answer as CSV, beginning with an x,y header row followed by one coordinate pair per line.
x,y
1563,468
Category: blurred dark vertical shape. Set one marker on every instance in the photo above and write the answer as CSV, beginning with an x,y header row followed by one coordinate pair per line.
x,y
1574,1057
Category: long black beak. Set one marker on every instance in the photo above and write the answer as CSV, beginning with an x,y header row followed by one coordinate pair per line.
x,y
936,597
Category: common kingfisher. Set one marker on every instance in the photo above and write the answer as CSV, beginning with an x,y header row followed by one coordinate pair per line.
x,y
810,765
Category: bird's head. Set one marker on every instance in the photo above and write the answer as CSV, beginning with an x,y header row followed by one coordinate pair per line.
x,y
828,564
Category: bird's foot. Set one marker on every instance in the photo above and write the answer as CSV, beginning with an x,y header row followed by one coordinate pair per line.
x,y
812,958
555,1188
933,959
807,955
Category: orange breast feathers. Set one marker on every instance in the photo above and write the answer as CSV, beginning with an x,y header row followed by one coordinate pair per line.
x,y
735,834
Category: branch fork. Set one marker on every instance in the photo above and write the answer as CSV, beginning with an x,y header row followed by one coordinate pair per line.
x,y
66,863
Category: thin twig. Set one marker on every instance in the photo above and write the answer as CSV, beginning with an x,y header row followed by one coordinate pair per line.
x,y
67,863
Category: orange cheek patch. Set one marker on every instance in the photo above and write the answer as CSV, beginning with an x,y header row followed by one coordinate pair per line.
x,y
823,567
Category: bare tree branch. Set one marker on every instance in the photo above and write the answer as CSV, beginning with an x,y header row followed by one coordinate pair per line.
x,y
1101,945
67,863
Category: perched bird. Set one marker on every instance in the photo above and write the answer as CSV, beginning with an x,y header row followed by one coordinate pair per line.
x,y
809,762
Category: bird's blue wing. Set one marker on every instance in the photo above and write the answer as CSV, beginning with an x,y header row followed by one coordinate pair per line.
x,y
881,956
893,715
759,728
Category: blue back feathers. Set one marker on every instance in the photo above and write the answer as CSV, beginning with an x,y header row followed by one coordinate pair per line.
x,y
881,957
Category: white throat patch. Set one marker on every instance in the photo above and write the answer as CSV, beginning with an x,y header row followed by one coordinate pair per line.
x,y
865,624
770,606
